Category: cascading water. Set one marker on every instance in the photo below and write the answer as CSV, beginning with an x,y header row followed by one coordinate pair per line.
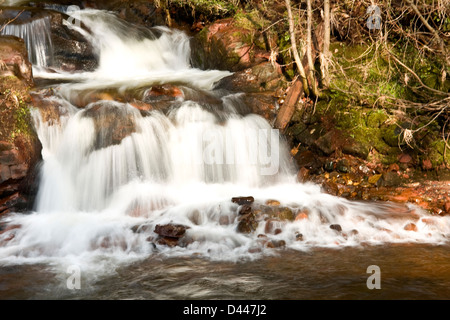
x,y
36,34
111,172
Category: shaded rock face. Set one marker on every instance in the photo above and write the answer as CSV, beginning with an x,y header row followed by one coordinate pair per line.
x,y
18,174
224,45
19,146
259,78
112,123
14,59
71,51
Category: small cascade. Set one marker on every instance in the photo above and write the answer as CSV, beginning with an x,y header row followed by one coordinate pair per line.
x,y
36,33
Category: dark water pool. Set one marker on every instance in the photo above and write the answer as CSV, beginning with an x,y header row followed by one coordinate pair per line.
x,y
410,271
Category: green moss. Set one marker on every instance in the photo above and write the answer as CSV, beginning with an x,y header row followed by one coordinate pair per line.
x,y
212,9
376,118
436,153
250,20
15,115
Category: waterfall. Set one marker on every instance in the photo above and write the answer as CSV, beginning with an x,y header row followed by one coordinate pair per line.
x,y
37,36
110,169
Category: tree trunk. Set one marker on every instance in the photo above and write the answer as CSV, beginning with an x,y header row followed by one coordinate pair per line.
x,y
312,78
326,43
297,59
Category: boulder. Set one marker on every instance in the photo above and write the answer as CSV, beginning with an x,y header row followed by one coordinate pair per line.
x,y
262,77
71,50
20,149
14,59
112,123
247,223
243,200
390,179
171,230
309,160
223,45
245,209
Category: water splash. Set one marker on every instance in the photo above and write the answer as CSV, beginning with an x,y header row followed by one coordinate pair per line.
x,y
131,56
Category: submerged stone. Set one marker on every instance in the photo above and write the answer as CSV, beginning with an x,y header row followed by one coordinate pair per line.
x,y
242,200
171,230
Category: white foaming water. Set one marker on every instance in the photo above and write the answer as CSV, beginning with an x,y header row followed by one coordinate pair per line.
x,y
111,173
37,37
130,56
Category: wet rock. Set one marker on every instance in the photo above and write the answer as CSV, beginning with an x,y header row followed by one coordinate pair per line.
x,y
140,228
394,167
8,227
163,92
374,179
71,50
275,244
51,110
389,179
141,106
447,207
404,158
245,209
298,236
327,143
273,226
14,201
335,139
171,230
329,166
301,216
310,161
427,165
336,227
18,173
260,78
167,241
303,175
264,104
14,58
411,227
272,203
243,200
112,122
355,148
247,223
284,214
343,166
330,187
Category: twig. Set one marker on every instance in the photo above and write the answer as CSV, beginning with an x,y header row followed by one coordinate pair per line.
x,y
432,30
3,27
415,75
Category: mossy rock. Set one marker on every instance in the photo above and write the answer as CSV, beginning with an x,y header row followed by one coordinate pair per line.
x,y
436,153
376,118
285,214
391,135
